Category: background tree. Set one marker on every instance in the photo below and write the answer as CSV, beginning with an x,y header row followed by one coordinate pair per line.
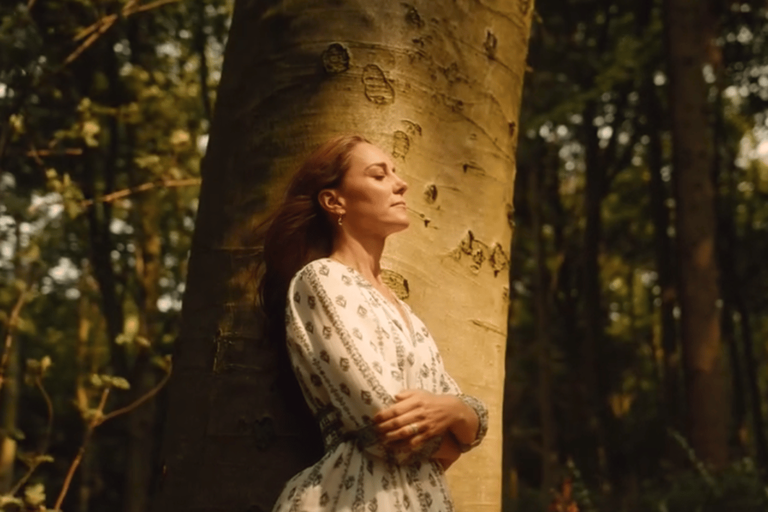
x,y
102,127
618,48
707,407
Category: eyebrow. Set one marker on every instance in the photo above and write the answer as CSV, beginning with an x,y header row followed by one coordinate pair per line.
x,y
383,165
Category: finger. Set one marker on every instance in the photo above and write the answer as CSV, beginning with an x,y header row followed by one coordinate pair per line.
x,y
402,433
398,445
389,413
405,394
418,440
401,421
407,431
393,411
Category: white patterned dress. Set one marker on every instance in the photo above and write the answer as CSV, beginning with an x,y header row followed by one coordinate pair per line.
x,y
352,354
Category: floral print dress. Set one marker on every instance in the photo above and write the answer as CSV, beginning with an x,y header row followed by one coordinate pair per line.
x,y
351,354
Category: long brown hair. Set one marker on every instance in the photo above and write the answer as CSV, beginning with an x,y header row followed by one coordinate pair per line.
x,y
300,230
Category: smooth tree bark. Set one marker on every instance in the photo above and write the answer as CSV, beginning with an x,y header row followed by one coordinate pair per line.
x,y
707,405
437,83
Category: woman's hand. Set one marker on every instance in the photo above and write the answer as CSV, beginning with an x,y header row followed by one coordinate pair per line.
x,y
418,416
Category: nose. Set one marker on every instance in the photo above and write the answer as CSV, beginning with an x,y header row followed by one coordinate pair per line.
x,y
400,185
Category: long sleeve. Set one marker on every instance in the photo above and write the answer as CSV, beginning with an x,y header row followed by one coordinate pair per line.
x,y
336,346
481,411
447,385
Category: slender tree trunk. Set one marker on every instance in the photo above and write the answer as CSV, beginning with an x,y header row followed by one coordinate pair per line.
x,y
592,294
753,385
9,386
747,396
141,421
723,186
664,260
200,44
436,82
99,217
98,178
542,296
9,408
751,363
708,410
746,393
82,357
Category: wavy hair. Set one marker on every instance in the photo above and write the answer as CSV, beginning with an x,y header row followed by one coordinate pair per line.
x,y
300,230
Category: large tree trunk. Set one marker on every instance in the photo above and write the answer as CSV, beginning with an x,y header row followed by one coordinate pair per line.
x,y
436,82
708,412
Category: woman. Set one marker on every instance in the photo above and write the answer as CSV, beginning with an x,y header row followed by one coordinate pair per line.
x,y
392,419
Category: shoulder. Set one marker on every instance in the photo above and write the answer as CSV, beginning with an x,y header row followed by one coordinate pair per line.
x,y
323,274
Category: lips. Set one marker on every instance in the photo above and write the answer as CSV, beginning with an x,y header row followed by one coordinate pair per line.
x,y
399,203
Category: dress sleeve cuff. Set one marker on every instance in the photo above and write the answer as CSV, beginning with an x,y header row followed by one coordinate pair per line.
x,y
482,420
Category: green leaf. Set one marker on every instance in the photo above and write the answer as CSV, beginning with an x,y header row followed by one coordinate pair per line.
x,y
7,499
120,383
97,381
142,341
34,495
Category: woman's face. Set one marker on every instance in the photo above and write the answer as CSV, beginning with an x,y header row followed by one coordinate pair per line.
x,y
371,193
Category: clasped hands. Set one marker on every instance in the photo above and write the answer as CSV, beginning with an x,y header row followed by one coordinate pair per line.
x,y
416,417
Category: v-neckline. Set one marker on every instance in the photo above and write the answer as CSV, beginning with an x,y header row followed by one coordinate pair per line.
x,y
399,307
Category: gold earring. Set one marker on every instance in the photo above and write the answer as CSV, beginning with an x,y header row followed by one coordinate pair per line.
x,y
340,219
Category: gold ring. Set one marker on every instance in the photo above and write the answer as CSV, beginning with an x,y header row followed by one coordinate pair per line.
x,y
414,429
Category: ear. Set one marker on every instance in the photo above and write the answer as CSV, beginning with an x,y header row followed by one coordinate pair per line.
x,y
331,201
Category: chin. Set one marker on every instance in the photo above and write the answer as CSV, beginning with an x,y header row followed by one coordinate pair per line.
x,y
396,228
403,226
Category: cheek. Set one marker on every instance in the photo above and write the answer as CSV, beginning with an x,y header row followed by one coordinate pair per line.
x,y
368,199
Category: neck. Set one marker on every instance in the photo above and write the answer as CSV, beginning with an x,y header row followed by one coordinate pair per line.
x,y
362,254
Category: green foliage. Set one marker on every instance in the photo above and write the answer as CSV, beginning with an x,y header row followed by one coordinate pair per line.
x,y
737,489
595,117
101,136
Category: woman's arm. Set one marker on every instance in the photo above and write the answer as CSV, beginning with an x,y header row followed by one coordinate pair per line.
x,y
420,415
333,341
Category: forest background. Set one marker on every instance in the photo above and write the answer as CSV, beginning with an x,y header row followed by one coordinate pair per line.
x,y
104,113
